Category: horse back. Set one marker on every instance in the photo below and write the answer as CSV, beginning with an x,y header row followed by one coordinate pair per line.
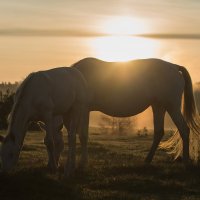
x,y
139,82
58,88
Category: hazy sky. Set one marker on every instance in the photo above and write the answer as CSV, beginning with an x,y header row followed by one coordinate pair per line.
x,y
161,16
40,34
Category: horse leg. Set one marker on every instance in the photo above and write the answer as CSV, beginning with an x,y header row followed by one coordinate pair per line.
x,y
59,145
49,141
184,131
158,116
83,136
71,126
58,140
58,137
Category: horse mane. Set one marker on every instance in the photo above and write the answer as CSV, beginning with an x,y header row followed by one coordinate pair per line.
x,y
17,98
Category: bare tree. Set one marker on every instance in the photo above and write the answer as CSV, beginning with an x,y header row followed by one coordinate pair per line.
x,y
115,125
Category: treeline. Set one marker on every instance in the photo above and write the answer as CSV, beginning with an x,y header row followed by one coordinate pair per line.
x,y
117,125
6,103
7,92
7,86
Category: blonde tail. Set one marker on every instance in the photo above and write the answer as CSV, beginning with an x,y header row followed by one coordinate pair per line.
x,y
174,144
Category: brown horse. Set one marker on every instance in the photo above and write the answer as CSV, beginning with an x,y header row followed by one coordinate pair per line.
x,y
123,89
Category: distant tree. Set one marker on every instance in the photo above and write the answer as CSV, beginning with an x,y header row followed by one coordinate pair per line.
x,y
11,86
143,132
116,125
7,91
6,103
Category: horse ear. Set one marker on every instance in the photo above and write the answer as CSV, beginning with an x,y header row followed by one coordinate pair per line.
x,y
1,138
42,126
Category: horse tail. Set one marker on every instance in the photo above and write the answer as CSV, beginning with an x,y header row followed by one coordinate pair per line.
x,y
174,143
189,107
197,96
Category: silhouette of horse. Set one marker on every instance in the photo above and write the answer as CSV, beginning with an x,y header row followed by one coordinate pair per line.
x,y
44,95
123,89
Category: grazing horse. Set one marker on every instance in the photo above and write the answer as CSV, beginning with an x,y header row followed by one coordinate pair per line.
x,y
44,95
123,89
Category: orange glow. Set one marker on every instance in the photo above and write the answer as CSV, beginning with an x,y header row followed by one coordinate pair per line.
x,y
124,48
124,26
121,45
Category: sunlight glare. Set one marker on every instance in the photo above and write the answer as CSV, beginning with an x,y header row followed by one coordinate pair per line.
x,y
124,26
124,48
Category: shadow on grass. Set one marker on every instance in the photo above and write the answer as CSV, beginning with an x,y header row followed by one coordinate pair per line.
x,y
111,174
158,182
36,184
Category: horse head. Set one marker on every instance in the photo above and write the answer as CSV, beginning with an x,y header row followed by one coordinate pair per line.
x,y
9,152
1,138
1,141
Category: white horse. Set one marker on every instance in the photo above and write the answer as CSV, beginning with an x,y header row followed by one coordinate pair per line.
x,y
123,89
44,95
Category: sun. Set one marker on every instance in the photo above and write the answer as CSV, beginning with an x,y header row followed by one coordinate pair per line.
x,y
119,42
124,48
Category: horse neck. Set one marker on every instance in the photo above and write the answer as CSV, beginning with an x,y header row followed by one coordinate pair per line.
x,y
18,125
20,113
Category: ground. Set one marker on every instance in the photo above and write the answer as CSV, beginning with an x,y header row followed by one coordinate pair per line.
x,y
116,170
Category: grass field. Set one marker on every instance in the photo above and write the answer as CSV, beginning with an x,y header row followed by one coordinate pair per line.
x,y
116,171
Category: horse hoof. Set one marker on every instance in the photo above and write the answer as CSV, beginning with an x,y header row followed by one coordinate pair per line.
x,y
68,175
188,164
69,172
147,161
52,168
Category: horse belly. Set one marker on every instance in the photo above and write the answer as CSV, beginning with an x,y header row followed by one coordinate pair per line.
x,y
123,105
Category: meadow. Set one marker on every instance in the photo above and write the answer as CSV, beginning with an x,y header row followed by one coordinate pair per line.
x,y
116,170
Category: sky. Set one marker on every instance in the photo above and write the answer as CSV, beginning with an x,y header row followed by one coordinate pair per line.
x,y
41,34
78,17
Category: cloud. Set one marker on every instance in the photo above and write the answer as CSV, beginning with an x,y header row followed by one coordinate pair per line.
x,y
48,33
171,36
81,33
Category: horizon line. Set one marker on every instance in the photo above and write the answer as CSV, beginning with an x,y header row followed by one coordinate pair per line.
x,y
78,33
